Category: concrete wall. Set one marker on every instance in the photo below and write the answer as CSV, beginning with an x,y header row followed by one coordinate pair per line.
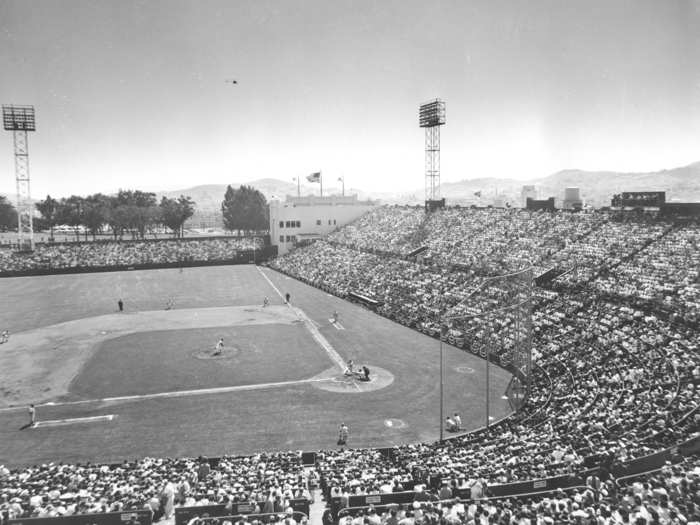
x,y
300,217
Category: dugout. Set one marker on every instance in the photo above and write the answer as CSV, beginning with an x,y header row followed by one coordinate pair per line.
x,y
364,300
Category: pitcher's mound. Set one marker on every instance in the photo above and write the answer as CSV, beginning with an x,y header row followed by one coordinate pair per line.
x,y
227,353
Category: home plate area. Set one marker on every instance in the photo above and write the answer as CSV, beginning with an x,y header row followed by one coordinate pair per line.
x,y
333,381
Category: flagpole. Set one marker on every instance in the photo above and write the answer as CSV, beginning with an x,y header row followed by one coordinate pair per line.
x,y
320,179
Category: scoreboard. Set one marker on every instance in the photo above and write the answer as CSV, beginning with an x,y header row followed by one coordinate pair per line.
x,y
637,199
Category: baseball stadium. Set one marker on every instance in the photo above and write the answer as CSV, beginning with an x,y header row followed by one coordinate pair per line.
x,y
591,384
499,347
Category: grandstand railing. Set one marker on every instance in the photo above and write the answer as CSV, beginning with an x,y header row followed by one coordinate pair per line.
x,y
434,501
183,515
266,517
384,498
633,468
657,460
142,517
493,491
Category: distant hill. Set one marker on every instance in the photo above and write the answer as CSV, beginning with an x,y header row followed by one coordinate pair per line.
x,y
597,187
464,191
209,196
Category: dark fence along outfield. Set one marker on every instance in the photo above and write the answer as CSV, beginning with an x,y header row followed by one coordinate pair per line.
x,y
242,257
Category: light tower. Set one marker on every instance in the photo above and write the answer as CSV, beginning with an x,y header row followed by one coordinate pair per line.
x,y
431,116
20,120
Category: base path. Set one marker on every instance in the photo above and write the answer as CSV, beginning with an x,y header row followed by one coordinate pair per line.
x,y
72,421
312,327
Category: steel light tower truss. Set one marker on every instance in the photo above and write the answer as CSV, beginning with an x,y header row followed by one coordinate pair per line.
x,y
20,120
431,116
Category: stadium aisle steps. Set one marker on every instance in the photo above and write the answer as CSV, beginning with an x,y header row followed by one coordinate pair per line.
x,y
166,521
317,508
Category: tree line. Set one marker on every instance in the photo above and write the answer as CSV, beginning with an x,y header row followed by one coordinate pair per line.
x,y
129,212
136,213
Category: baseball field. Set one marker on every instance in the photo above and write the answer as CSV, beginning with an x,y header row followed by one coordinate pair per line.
x,y
147,381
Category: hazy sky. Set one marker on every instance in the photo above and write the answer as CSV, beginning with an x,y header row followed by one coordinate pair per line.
x,y
131,93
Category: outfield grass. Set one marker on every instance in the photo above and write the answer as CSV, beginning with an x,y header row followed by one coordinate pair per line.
x,y
45,300
300,416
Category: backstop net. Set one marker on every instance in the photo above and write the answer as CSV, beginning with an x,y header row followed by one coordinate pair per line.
x,y
495,320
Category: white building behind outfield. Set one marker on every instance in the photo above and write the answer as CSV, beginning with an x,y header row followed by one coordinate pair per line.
x,y
301,219
528,192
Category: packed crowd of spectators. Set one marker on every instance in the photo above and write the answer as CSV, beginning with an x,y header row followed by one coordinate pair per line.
x,y
666,272
628,255
385,230
492,240
667,496
613,377
498,240
268,481
486,240
125,253
610,381
608,246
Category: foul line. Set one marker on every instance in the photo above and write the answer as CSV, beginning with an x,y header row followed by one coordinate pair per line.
x,y
207,391
271,284
322,341
70,421
309,324
176,393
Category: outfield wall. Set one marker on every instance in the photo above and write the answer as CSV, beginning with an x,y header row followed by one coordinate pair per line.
x,y
242,257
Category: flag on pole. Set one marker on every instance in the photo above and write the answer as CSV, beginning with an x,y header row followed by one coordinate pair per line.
x,y
477,193
314,177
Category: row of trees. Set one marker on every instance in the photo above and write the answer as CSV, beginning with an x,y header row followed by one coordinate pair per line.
x,y
136,213
130,211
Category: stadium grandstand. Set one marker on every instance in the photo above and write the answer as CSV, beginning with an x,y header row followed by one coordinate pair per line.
x,y
115,255
608,434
